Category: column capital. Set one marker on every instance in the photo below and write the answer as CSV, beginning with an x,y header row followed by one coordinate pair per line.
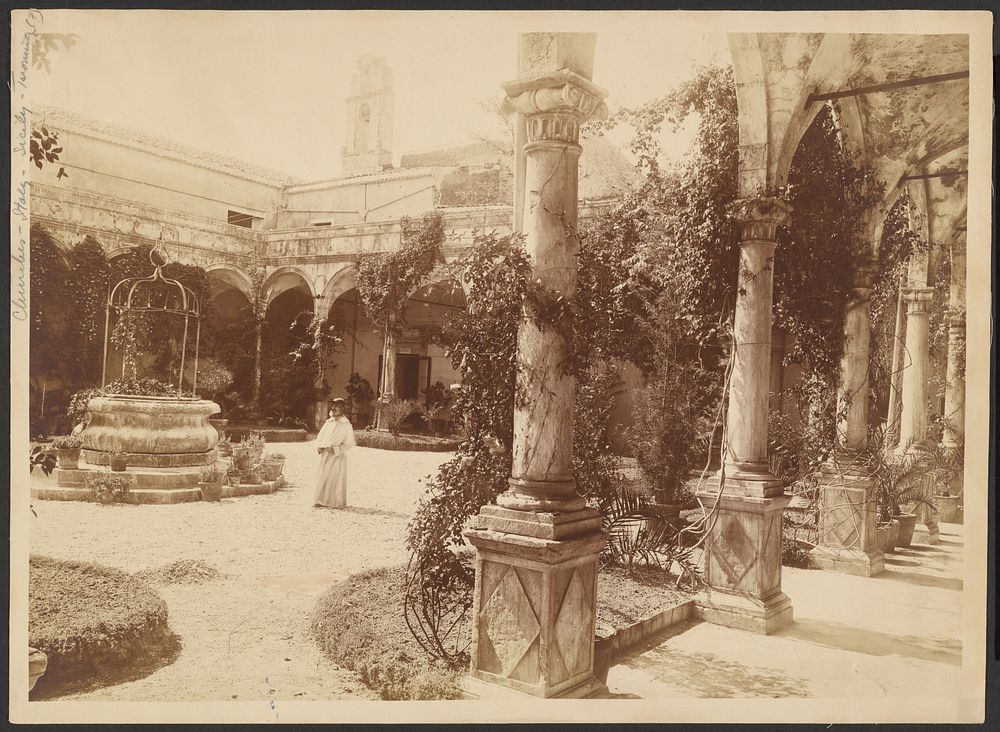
x,y
862,278
918,299
760,217
555,105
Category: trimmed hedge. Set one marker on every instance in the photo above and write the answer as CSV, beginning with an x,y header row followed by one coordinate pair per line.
x,y
97,625
359,625
412,443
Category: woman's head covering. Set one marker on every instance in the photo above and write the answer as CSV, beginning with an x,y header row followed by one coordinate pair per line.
x,y
342,403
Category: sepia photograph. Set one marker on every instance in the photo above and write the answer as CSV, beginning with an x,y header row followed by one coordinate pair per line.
x,y
391,366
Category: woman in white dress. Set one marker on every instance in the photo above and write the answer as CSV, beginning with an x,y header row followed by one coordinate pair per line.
x,y
334,440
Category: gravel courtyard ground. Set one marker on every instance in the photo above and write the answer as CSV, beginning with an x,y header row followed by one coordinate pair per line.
x,y
246,635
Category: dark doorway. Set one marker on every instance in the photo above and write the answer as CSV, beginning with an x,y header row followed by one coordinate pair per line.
x,y
413,375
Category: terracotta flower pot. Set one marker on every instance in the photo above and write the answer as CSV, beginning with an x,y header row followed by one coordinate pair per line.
x,y
907,523
234,481
118,464
947,508
272,470
68,457
886,535
211,491
242,464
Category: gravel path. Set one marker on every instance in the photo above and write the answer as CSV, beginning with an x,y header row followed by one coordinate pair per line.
x,y
246,635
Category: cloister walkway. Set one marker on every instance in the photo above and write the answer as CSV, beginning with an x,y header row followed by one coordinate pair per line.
x,y
898,634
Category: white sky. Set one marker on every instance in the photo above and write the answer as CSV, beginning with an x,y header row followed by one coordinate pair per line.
x,y
268,87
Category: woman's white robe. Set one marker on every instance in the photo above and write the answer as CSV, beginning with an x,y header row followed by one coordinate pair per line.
x,y
334,440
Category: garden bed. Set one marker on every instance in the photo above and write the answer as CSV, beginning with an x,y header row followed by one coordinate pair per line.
x,y
359,625
415,443
97,625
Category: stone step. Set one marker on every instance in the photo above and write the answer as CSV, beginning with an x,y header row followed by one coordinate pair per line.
x,y
145,478
41,491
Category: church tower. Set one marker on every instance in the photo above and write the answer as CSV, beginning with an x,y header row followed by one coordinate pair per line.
x,y
368,132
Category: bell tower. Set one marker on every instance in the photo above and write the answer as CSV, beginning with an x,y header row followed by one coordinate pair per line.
x,y
368,128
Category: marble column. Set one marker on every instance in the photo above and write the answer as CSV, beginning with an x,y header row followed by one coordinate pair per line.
x,y
913,421
954,394
387,378
847,507
743,548
537,549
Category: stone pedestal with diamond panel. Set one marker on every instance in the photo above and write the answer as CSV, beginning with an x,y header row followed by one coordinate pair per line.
x,y
743,561
847,539
535,613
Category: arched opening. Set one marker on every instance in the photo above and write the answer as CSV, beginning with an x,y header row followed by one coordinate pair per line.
x,y
287,382
229,339
423,369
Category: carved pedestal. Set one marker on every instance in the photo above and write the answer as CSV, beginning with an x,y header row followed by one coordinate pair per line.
x,y
847,516
535,606
743,561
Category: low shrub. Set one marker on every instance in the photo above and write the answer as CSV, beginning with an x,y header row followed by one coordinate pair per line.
x,y
359,625
96,625
414,443
392,413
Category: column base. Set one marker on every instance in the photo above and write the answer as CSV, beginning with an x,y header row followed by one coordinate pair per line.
x,y
847,526
473,688
535,606
848,561
755,615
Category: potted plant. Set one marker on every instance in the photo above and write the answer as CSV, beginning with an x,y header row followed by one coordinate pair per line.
x,y
359,391
117,460
210,481
224,446
273,466
233,477
254,475
243,455
108,488
67,449
898,477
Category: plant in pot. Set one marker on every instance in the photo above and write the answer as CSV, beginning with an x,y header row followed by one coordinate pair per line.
x,y
117,460
897,475
946,463
254,475
106,487
233,477
273,466
67,449
243,456
359,391
224,446
210,481
667,421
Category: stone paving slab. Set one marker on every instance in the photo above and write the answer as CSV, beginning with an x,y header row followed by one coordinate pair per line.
x,y
898,634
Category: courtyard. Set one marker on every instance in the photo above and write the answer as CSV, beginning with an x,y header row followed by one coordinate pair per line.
x,y
245,635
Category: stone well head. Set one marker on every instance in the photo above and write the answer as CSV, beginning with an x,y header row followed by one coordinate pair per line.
x,y
162,432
